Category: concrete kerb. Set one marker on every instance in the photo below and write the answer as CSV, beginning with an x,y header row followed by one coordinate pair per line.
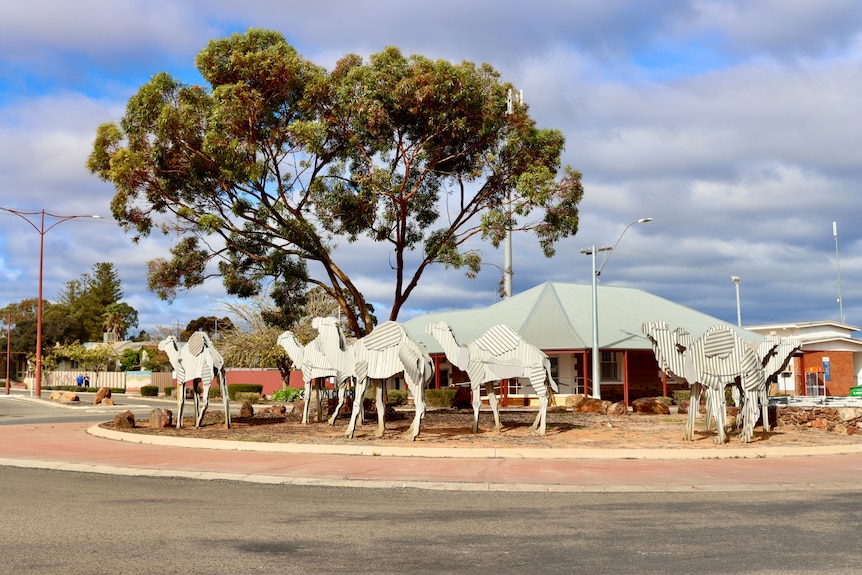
x,y
478,452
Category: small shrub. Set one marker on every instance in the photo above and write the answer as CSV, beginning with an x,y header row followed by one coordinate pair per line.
x,y
235,388
168,391
247,396
665,400
681,395
149,391
118,390
440,397
397,396
287,394
215,391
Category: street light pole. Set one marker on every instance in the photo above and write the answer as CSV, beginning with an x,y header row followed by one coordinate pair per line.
x,y
738,304
596,360
42,230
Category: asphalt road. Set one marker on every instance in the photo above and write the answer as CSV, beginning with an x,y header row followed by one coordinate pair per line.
x,y
73,523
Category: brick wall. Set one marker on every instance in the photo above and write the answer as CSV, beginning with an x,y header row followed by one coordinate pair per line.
x,y
842,375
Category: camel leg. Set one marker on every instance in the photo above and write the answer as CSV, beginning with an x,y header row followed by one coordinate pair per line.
x,y
197,399
342,393
181,400
203,402
492,401
381,408
306,407
477,403
719,409
225,400
357,408
419,404
543,415
693,408
764,406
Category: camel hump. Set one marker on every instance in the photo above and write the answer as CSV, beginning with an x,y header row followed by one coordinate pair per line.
x,y
499,339
719,343
384,336
196,343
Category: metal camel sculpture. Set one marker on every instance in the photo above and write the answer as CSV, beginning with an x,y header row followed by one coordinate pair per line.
x,y
328,355
715,360
387,351
197,359
499,354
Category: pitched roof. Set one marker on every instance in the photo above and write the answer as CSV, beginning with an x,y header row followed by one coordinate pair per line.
x,y
556,316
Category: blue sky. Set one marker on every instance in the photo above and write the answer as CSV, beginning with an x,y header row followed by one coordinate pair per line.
x,y
734,124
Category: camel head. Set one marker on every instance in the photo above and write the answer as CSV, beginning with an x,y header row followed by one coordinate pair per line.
x,y
169,344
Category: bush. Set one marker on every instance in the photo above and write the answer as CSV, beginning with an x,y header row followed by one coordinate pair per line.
x,y
287,394
150,391
440,397
235,388
247,396
394,396
215,391
168,391
681,395
665,400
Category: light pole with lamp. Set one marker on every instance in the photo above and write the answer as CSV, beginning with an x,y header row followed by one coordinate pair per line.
x,y
42,231
735,280
596,360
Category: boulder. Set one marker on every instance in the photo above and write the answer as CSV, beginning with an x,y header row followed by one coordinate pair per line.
x,y
124,420
618,408
55,395
592,405
650,405
273,410
572,401
69,397
101,395
108,401
246,410
161,418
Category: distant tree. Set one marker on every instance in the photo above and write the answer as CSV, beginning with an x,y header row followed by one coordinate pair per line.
x,y
212,325
94,301
96,358
130,359
277,160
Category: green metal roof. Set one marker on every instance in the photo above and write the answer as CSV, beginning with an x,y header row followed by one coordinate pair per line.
x,y
556,316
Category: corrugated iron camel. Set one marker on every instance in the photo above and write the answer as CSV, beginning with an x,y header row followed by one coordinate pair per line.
x,y
328,355
197,359
715,360
387,351
499,354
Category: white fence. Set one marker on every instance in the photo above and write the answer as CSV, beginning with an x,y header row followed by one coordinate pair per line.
x,y
114,379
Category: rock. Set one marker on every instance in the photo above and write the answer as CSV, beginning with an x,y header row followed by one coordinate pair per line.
x,y
273,410
69,397
124,420
108,401
682,408
246,410
618,408
592,405
101,395
55,395
161,418
572,401
650,405
557,409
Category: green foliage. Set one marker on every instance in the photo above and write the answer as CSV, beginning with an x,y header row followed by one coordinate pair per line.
x,y
373,146
680,395
247,396
149,391
235,388
286,394
393,396
668,401
169,391
90,359
440,397
130,359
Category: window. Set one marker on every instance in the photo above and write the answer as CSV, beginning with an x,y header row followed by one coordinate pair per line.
x,y
611,366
